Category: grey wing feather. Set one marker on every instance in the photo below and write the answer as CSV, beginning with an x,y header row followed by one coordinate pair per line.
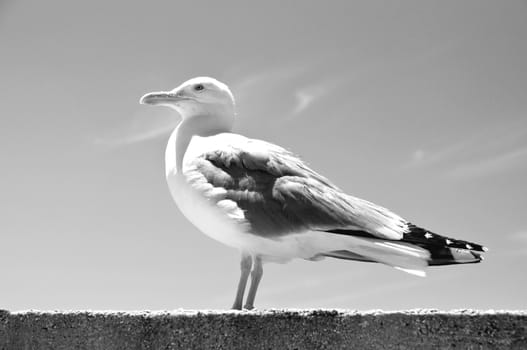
x,y
280,194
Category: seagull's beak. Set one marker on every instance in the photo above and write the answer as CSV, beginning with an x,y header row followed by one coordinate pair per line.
x,y
161,98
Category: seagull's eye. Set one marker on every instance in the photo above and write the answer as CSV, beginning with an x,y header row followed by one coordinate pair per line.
x,y
199,87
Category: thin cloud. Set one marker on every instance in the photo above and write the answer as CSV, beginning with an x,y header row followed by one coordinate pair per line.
x,y
263,87
502,162
486,152
252,83
418,156
294,88
306,97
475,141
310,94
422,157
140,128
263,98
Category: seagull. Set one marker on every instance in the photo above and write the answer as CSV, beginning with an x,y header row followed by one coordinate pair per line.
x,y
266,202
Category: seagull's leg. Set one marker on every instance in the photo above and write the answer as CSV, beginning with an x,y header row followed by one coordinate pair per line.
x,y
245,267
256,276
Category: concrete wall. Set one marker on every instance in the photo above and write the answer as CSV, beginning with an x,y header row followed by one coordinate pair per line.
x,y
275,329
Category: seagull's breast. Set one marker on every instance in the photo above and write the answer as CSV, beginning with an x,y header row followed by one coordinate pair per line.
x,y
195,199
209,217
205,205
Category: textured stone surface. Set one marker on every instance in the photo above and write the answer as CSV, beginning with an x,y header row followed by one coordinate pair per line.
x,y
273,329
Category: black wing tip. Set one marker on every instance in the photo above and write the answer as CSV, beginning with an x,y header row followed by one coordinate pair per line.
x,y
423,237
455,256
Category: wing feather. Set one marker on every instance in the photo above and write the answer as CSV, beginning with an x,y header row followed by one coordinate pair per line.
x,y
280,194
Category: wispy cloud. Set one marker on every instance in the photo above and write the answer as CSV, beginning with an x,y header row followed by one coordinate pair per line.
x,y
264,97
250,84
306,97
424,157
286,92
501,162
486,152
291,89
310,94
418,156
139,128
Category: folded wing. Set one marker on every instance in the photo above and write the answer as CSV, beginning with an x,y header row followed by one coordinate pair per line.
x,y
280,195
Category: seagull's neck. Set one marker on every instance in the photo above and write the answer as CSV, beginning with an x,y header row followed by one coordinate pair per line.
x,y
199,125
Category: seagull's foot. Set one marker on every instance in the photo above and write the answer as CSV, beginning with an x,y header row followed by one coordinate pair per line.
x,y
237,306
248,307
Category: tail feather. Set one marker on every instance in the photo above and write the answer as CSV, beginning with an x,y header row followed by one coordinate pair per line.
x,y
403,256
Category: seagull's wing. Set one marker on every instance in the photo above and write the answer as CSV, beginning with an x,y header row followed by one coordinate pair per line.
x,y
274,193
280,194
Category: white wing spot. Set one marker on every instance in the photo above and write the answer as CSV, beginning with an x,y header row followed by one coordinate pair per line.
x,y
448,241
216,193
468,246
231,209
428,235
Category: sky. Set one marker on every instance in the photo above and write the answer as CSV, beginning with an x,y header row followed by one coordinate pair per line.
x,y
419,106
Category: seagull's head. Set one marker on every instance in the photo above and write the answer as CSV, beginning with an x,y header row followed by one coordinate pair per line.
x,y
200,96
